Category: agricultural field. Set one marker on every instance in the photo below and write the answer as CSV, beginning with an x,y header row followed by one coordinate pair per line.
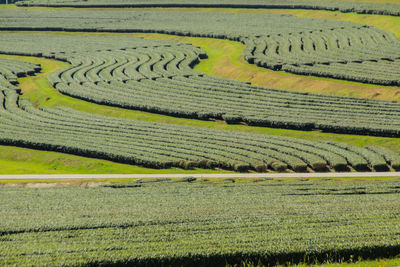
x,y
211,223
193,87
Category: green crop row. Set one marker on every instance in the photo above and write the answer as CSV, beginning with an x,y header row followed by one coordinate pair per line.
x,y
199,223
158,78
162,145
360,54
343,6
341,50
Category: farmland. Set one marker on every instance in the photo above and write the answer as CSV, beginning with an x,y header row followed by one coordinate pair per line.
x,y
157,77
333,49
211,223
152,145
386,7
110,80
191,87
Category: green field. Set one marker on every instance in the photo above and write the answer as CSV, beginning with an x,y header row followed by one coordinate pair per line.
x,y
210,223
193,222
224,60
39,91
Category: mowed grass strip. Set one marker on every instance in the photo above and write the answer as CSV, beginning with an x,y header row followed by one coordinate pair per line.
x,y
16,160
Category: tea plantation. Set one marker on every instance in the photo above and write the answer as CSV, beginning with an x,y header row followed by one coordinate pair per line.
x,y
98,61
144,223
341,50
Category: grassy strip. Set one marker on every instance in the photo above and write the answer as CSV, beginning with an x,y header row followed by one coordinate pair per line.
x,y
15,160
366,263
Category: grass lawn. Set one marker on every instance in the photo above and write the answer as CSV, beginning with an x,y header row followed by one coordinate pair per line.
x,y
15,160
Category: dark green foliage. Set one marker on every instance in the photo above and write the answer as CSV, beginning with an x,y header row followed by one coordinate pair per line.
x,y
122,185
189,179
359,7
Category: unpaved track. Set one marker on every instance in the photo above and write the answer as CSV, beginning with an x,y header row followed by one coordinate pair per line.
x,y
228,175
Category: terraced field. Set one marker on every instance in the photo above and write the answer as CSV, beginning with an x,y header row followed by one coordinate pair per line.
x,y
162,146
140,102
384,7
344,53
341,50
157,77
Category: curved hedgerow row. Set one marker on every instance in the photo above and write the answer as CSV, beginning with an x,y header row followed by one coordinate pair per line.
x,y
155,80
281,42
129,64
359,7
360,54
162,145
158,78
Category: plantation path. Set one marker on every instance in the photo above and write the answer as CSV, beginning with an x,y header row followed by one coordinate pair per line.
x,y
228,175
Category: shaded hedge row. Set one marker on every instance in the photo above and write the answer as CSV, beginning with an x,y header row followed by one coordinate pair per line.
x,y
358,7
